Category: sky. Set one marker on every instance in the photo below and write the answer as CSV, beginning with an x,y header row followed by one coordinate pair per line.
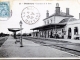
x,y
13,21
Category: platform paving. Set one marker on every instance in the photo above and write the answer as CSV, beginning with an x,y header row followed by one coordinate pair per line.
x,y
30,50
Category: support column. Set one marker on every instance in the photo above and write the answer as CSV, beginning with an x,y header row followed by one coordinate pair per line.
x,y
14,35
45,34
33,33
42,33
72,33
55,31
39,34
51,33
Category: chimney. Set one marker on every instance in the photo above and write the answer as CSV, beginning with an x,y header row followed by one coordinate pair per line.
x,y
67,11
57,9
47,14
79,15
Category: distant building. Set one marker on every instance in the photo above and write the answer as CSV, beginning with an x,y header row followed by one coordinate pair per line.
x,y
58,25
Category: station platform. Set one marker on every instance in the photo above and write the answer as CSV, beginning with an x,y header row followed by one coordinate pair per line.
x,y
30,50
67,40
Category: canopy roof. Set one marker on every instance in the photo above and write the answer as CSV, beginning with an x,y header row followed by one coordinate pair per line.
x,y
14,29
49,26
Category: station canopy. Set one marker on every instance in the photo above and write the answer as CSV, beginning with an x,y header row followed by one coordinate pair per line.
x,y
14,29
49,26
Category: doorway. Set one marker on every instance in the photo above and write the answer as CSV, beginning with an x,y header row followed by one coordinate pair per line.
x,y
76,31
69,33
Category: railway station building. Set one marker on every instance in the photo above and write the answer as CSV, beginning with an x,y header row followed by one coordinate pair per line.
x,y
58,25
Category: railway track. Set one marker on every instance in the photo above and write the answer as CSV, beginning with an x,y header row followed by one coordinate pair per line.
x,y
61,45
2,40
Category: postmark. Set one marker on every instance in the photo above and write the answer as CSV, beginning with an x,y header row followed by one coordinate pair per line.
x,y
30,15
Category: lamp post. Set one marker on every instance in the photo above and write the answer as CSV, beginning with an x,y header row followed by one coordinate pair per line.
x,y
21,33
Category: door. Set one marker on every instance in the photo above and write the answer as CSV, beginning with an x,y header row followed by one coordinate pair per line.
x,y
69,33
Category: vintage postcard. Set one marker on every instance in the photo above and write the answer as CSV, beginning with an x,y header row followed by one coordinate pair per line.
x,y
42,29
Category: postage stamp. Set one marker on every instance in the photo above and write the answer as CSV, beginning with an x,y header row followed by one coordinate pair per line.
x,y
4,9
30,15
